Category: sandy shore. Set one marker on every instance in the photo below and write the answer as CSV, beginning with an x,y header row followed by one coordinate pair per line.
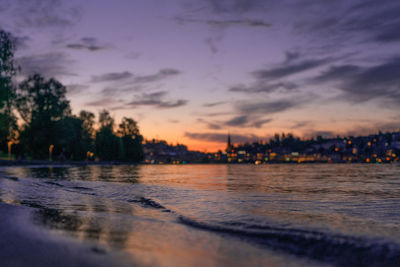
x,y
24,244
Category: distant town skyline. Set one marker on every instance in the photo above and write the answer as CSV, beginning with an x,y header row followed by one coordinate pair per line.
x,y
191,71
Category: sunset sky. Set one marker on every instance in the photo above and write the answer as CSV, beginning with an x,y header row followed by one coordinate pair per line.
x,y
190,71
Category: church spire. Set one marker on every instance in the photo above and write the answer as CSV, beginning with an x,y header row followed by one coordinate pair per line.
x,y
229,144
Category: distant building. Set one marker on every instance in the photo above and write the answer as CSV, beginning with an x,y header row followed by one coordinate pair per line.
x,y
229,146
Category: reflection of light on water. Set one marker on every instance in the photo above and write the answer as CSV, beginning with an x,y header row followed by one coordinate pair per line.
x,y
121,207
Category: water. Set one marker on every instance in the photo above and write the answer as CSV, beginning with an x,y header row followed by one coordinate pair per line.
x,y
168,215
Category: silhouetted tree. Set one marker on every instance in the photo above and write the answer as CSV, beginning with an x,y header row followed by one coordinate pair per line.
x,y
108,145
70,143
88,132
8,123
41,104
131,140
87,118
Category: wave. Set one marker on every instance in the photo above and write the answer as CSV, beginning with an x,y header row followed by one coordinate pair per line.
x,y
11,178
336,249
330,248
54,183
149,203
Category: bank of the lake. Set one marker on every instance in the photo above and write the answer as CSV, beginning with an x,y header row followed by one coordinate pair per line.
x,y
196,215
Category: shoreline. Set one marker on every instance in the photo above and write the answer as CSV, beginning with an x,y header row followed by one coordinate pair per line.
x,y
8,163
26,163
23,242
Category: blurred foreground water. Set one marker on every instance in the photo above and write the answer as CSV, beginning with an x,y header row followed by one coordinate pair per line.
x,y
218,215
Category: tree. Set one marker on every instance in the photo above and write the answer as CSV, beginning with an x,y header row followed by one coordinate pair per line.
x,y
107,144
41,104
70,143
8,123
41,99
88,132
105,120
131,140
87,118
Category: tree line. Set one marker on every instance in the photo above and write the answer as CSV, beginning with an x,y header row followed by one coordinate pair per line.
x,y
48,128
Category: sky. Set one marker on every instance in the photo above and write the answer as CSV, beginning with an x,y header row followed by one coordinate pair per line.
x,y
192,71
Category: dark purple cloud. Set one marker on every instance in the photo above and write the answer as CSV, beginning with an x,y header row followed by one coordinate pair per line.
x,y
51,64
112,76
213,104
104,102
156,99
226,23
269,107
363,83
87,43
241,121
235,6
261,87
40,14
290,68
222,137
76,88
161,75
301,124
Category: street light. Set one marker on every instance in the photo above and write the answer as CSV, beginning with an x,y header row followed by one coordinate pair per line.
x,y
50,152
10,143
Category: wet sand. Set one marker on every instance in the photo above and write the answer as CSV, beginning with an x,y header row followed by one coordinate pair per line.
x,y
24,244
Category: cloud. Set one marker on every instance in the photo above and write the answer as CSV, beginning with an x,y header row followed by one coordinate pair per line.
x,y
242,121
267,107
129,78
360,129
374,127
345,21
333,22
113,91
238,22
234,6
337,73
389,33
363,83
49,64
222,137
112,76
175,104
213,104
133,55
211,44
127,82
162,74
300,124
106,101
73,89
87,43
226,22
42,14
290,68
380,21
246,121
291,56
261,87
237,121
214,126
21,42
156,99
260,123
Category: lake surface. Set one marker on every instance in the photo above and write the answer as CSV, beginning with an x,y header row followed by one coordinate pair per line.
x,y
219,215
